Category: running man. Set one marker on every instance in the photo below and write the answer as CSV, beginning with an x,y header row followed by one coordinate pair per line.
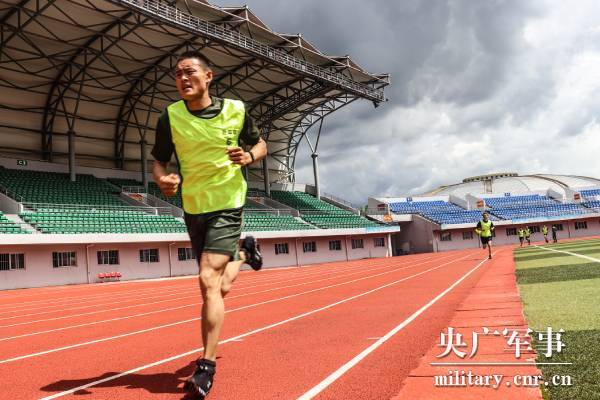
x,y
204,133
521,233
528,235
484,229
554,232
545,232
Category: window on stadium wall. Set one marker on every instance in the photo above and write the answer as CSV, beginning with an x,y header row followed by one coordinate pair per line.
x,y
534,229
580,225
149,255
309,247
467,235
379,242
357,244
13,261
511,231
445,236
108,257
186,253
64,259
281,248
335,245
559,227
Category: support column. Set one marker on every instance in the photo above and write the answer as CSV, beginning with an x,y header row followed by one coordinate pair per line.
x,y
316,173
71,138
265,166
144,163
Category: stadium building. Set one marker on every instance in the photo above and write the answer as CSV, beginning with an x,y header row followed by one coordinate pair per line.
x,y
83,84
445,218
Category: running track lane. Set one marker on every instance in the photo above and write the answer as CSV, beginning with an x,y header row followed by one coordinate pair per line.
x,y
55,338
281,362
132,351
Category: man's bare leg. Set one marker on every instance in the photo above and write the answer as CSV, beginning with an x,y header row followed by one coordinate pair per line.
x,y
231,272
212,269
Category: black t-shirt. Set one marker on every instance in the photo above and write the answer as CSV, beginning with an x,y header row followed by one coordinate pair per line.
x,y
163,144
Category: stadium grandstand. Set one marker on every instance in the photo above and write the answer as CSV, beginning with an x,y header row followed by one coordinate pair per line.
x,y
83,84
444,218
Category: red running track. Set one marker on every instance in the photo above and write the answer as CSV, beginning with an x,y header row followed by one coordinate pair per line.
x,y
330,331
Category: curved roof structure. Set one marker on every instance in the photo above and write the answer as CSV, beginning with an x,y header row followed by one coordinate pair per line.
x,y
514,183
102,71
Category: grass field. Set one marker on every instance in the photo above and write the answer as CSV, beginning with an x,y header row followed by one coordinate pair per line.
x,y
562,291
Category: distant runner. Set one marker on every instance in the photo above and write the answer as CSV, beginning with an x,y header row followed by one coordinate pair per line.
x,y
484,229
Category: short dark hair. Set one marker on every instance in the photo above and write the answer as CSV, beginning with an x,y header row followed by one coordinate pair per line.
x,y
194,54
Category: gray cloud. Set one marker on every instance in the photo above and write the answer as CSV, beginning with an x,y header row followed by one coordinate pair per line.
x,y
477,87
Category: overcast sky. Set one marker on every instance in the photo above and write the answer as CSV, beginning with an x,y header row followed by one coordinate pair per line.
x,y
477,87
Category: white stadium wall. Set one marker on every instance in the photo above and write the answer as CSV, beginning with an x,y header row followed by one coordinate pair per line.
x,y
39,270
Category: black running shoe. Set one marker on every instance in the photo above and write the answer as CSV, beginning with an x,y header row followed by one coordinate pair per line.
x,y
199,384
253,256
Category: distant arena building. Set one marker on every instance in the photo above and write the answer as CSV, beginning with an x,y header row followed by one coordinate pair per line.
x,y
444,218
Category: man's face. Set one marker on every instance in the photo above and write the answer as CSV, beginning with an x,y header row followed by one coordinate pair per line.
x,y
192,79
485,217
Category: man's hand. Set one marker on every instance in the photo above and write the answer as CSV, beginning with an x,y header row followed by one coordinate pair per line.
x,y
239,156
169,184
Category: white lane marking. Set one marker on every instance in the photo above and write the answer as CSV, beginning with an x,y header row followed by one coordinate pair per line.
x,y
90,342
346,367
191,304
243,335
568,252
187,297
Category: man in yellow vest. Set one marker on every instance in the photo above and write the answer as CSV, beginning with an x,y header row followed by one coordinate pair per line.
x,y
205,133
521,233
484,229
528,235
545,232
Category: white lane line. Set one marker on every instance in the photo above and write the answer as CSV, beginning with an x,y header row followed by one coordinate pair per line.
x,y
568,252
190,304
228,298
194,296
180,290
346,367
90,342
243,335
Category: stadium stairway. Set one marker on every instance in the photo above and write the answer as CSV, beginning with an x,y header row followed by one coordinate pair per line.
x,y
320,213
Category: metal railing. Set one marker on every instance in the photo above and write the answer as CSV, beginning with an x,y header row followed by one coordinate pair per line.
x,y
273,211
90,208
239,40
340,200
133,189
11,194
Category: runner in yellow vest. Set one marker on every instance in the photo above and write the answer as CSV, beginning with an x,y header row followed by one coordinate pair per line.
x,y
484,229
545,232
528,235
205,133
521,233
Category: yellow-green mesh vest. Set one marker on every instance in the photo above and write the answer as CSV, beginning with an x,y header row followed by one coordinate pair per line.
x,y
521,233
545,230
211,181
486,228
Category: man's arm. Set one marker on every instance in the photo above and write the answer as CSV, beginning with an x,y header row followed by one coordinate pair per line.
x,y
168,183
162,152
239,156
250,135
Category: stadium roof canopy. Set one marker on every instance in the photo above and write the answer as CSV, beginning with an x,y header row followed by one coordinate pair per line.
x,y
102,71
514,183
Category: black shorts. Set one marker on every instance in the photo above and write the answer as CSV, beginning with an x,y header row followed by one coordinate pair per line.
x,y
486,239
216,232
